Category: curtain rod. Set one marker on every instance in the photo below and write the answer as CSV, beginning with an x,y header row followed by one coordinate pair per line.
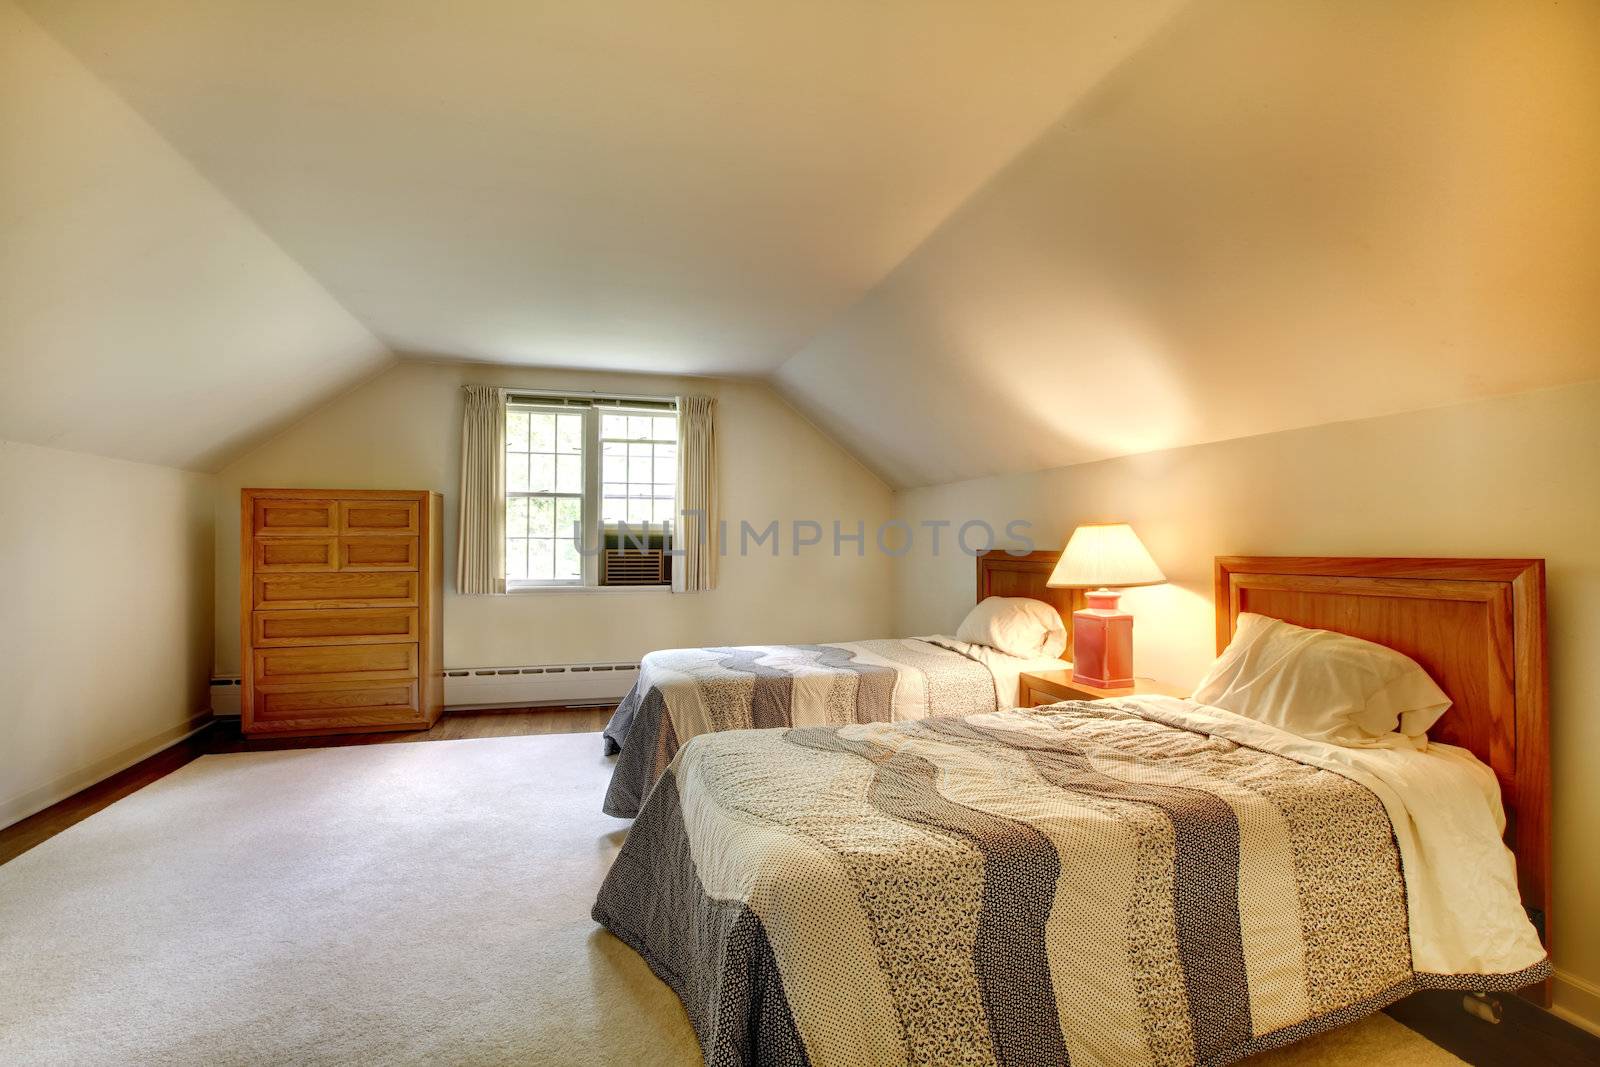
x,y
580,398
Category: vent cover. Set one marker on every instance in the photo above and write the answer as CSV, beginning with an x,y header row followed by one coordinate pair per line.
x,y
631,566
531,685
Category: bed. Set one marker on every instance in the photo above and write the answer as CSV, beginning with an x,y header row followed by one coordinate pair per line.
x,y
1144,881
684,692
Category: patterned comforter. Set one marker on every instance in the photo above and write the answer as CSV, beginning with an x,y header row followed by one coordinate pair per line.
x,y
1087,884
684,692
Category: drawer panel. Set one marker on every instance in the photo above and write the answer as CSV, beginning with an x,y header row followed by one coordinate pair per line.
x,y
322,705
351,663
285,554
344,626
379,516
377,553
339,590
295,518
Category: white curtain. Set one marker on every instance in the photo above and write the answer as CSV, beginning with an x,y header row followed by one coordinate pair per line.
x,y
481,538
696,535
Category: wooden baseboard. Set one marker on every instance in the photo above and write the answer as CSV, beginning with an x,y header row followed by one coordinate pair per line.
x,y
16,808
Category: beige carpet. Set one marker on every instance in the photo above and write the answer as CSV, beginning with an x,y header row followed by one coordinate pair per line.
x,y
384,904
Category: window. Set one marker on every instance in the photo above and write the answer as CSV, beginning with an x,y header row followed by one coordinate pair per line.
x,y
591,490
638,468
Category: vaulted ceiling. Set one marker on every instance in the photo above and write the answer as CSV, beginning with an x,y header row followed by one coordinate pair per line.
x,y
966,238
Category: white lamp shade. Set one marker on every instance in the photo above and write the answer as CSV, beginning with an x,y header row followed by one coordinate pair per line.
x,y
1105,554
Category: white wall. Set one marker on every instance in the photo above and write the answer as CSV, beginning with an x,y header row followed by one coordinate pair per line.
x,y
105,617
402,431
1518,476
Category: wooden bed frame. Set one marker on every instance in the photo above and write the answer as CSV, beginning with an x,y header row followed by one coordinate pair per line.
x,y
1476,625
1002,574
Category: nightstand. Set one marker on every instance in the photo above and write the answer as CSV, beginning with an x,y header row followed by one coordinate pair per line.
x,y
1052,687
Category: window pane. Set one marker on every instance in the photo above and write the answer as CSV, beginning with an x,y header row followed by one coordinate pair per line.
x,y
569,474
638,511
614,463
569,567
541,432
613,425
569,518
666,469
541,473
666,428
517,431
665,492
516,516
541,518
516,558
663,511
541,558
639,427
639,465
613,509
569,434
516,472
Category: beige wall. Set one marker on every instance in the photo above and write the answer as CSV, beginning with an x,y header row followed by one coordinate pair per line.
x,y
1518,476
1264,210
131,288
105,568
402,431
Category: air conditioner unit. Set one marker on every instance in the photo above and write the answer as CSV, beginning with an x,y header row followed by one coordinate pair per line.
x,y
631,567
636,557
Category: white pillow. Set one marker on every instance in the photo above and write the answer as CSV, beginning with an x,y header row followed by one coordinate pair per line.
x,y
1017,626
1323,685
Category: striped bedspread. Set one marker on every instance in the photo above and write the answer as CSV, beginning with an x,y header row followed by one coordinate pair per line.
x,y
1077,884
684,692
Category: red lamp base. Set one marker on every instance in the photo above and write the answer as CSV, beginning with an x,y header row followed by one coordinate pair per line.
x,y
1102,642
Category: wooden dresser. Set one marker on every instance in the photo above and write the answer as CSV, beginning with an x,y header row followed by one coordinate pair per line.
x,y
342,597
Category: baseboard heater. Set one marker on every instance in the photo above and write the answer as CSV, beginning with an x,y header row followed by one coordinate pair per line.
x,y
500,687
555,683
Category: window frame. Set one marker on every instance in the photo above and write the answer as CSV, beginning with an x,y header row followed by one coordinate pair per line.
x,y
592,525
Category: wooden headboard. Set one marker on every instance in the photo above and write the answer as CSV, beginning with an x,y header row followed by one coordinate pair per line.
x,y
1475,625
1002,574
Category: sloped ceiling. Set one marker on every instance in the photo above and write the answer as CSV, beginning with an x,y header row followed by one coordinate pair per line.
x,y
693,186
141,314
966,238
1275,215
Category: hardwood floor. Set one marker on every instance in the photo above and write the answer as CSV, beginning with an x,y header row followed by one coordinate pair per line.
x,y
1525,1034
223,735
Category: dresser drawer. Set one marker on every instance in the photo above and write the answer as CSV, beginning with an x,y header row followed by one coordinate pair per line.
x,y
347,663
333,705
377,553
350,589
334,626
379,516
287,554
275,517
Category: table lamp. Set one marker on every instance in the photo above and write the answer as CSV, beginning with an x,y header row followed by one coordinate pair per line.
x,y
1100,555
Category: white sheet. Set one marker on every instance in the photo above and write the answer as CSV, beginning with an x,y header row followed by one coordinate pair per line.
x,y
1465,911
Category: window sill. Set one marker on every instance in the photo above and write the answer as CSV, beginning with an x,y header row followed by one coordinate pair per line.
x,y
589,590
